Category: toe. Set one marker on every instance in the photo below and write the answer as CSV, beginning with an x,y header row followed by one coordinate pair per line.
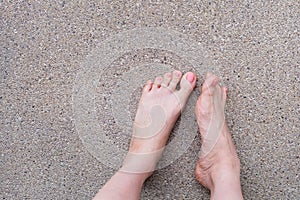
x,y
206,97
158,81
208,75
175,80
187,84
209,84
167,79
224,93
148,86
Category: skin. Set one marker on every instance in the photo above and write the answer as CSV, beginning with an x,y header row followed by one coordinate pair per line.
x,y
218,168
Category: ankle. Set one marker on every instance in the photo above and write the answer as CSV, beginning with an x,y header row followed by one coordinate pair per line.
x,y
119,185
226,186
225,180
226,170
136,178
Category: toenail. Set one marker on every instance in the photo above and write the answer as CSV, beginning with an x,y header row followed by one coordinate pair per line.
x,y
177,73
190,77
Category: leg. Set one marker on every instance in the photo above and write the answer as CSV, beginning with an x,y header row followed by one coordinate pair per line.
x,y
158,110
218,168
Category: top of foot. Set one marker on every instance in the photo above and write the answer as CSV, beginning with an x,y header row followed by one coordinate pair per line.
x,y
218,154
159,107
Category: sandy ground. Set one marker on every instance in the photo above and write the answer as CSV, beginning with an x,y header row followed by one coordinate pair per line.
x,y
254,48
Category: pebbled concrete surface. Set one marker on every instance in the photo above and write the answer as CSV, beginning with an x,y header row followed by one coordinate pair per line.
x,y
255,49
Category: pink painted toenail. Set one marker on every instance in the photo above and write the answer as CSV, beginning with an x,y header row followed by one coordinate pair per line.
x,y
190,77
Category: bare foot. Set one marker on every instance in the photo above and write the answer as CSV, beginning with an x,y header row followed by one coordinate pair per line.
x,y
159,108
218,166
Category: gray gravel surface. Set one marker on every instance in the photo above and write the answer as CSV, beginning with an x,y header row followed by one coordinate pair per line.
x,y
254,48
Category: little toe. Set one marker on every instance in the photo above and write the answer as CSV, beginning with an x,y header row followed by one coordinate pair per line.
x,y
224,94
175,80
158,81
167,79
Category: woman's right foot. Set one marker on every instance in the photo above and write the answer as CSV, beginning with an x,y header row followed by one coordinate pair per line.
x,y
218,167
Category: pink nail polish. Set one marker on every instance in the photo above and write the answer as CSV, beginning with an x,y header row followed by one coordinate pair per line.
x,y
190,77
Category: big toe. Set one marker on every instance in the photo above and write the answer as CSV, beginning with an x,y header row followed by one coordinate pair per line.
x,y
187,84
208,91
210,84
